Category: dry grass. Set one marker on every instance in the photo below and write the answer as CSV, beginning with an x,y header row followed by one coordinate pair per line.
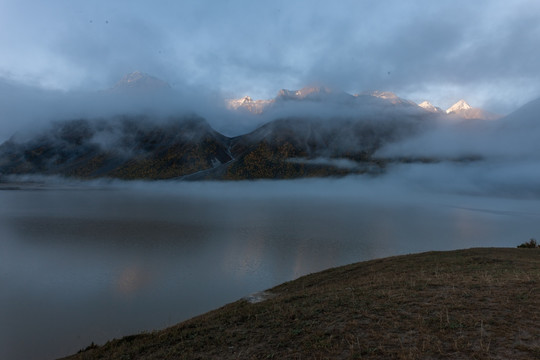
x,y
466,304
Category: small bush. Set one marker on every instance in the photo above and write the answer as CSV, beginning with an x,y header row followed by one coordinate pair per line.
x,y
530,245
89,347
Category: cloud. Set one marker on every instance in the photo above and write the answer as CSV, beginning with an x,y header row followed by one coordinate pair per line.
x,y
465,45
484,51
505,156
26,110
511,138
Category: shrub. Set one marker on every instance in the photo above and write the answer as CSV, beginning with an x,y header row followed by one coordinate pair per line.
x,y
531,244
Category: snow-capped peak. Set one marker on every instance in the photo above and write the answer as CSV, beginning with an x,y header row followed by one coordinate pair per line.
x,y
246,102
382,94
246,99
387,96
460,105
236,103
426,105
139,81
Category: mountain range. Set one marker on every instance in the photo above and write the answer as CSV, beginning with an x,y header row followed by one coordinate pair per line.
x,y
187,147
460,110
139,82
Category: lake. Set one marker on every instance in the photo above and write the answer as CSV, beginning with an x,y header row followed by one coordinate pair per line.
x,y
88,262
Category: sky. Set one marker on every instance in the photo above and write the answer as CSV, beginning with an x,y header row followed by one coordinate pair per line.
x,y
483,51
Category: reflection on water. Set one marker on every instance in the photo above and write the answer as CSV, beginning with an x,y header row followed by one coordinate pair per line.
x,y
78,266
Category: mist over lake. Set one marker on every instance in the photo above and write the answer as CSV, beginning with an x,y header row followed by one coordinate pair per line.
x,y
87,262
161,159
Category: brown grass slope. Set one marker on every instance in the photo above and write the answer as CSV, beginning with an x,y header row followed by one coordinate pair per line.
x,y
465,304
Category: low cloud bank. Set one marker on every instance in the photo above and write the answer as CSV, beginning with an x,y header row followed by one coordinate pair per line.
x,y
506,155
508,149
26,110
404,183
513,137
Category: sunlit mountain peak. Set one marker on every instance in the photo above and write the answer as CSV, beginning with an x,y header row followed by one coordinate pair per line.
x,y
426,105
460,105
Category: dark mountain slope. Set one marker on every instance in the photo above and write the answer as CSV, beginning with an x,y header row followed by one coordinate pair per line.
x,y
288,147
126,147
306,145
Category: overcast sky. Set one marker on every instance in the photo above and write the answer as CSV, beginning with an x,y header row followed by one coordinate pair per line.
x,y
487,52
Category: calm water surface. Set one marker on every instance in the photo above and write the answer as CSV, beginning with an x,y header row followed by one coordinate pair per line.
x,y
82,265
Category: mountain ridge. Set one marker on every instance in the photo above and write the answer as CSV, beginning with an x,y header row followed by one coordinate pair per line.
x,y
426,105
130,147
460,109
187,147
463,110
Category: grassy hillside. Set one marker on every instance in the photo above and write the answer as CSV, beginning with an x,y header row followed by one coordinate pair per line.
x,y
466,304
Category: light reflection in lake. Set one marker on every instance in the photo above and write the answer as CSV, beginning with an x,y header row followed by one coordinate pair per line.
x,y
83,265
